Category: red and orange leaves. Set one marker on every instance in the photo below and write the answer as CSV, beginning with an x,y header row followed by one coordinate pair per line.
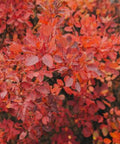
x,y
58,59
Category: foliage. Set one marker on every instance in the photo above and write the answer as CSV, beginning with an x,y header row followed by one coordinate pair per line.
x,y
58,59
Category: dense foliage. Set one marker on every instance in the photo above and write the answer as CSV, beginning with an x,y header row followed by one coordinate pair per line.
x,y
58,62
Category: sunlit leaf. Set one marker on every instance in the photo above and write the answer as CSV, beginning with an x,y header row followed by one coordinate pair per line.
x,y
47,60
22,135
77,86
68,81
31,60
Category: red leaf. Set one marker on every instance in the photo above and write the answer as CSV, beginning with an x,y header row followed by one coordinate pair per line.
x,y
38,115
77,86
44,89
22,135
47,73
68,29
31,60
86,132
89,102
26,85
110,98
68,81
45,120
47,60
117,111
100,105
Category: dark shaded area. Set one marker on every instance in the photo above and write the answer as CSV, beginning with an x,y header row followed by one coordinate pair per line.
x,y
6,115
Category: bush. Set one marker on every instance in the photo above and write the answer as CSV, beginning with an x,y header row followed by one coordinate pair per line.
x,y
58,60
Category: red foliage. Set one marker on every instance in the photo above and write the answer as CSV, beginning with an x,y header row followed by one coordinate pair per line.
x,y
76,45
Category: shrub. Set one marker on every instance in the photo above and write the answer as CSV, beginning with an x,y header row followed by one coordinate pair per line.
x,y
58,59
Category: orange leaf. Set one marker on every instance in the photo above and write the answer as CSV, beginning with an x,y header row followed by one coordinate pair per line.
x,y
113,125
91,88
60,82
115,134
108,104
107,141
15,47
114,65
